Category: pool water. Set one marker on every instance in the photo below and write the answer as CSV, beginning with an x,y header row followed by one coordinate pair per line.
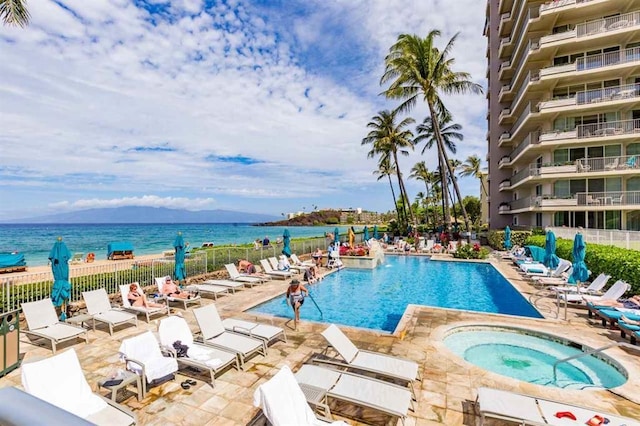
x,y
530,358
376,299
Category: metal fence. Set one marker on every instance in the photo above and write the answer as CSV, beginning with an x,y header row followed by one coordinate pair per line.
x,y
624,239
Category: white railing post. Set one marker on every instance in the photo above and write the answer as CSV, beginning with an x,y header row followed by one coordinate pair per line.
x,y
627,239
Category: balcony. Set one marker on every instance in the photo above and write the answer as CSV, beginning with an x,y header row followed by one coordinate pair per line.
x,y
504,161
531,139
505,184
506,23
504,91
598,62
609,200
589,97
612,23
504,67
550,6
505,5
505,47
532,78
504,208
505,116
531,171
554,38
506,136
609,129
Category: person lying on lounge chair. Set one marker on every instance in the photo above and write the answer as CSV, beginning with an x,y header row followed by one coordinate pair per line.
x,y
632,302
171,289
139,299
246,267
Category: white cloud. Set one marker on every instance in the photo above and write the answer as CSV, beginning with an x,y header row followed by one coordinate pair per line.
x,y
144,201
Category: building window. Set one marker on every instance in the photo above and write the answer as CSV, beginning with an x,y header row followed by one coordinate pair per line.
x,y
633,149
633,220
515,220
539,220
561,219
613,220
633,184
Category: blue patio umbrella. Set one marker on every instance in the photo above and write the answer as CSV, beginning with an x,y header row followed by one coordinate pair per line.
x,y
365,234
59,257
178,244
507,238
550,258
336,236
375,232
286,239
580,271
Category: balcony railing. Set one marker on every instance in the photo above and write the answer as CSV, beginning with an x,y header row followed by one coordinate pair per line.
x,y
612,23
552,38
579,199
504,161
532,170
607,164
554,4
528,110
531,139
608,59
611,128
532,77
607,94
504,184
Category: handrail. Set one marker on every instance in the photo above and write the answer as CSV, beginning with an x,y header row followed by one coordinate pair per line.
x,y
314,302
590,352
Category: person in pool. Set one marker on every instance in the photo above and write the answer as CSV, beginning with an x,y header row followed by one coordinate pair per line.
x,y
139,299
295,297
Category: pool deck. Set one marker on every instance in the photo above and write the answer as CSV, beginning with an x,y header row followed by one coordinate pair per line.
x,y
445,396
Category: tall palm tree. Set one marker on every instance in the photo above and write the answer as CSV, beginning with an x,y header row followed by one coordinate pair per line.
x,y
385,168
14,12
472,167
419,171
390,139
417,68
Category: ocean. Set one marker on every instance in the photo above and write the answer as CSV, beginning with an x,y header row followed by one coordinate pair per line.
x,y
35,240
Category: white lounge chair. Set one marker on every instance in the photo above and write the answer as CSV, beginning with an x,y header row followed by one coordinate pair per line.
x,y
284,404
174,328
298,262
232,286
271,272
211,289
124,291
534,268
214,334
59,380
613,293
265,332
334,259
100,309
185,302
327,383
274,262
43,322
382,365
530,410
143,356
249,280
594,288
429,246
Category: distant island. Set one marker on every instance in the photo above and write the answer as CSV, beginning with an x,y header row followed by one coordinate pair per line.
x,y
136,214
318,218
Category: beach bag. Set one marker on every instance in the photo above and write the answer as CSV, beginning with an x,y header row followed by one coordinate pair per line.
x,y
181,350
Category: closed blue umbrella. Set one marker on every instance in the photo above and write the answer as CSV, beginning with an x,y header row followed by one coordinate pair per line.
x,y
550,258
365,234
507,238
580,271
59,257
286,239
336,236
178,244
375,232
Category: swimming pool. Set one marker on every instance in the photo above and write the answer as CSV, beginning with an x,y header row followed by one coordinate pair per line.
x,y
377,298
530,356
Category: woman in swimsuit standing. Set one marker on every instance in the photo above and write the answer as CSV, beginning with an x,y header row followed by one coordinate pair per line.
x,y
295,297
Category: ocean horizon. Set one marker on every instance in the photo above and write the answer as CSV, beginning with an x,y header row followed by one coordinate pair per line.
x,y
35,240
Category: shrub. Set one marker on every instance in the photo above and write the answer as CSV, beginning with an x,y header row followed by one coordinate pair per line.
x,y
496,238
620,263
468,251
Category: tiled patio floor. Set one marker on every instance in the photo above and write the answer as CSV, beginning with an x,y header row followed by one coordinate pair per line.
x,y
445,395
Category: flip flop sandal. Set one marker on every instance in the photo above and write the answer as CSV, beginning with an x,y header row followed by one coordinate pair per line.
x,y
191,382
185,385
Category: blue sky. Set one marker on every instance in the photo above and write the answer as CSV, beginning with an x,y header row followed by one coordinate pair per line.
x,y
242,105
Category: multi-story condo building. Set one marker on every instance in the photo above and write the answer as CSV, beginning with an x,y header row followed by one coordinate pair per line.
x,y
564,113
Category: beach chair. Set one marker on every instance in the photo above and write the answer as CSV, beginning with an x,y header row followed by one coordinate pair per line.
x,y
594,288
271,272
248,280
612,315
265,332
384,366
530,410
100,309
429,246
201,357
142,356
283,402
322,384
42,321
214,334
533,269
124,290
207,288
231,286
614,292
334,260
298,262
59,380
274,262
77,258
185,302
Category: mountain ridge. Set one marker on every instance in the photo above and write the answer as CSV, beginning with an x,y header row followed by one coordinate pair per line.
x,y
136,214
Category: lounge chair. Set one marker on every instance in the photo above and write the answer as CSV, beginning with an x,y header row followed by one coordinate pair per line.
x,y
534,268
562,280
214,334
614,293
530,410
612,315
228,284
59,380
382,365
142,356
334,259
124,291
594,288
627,328
210,289
43,322
298,262
201,357
185,302
292,268
271,272
249,280
321,384
77,258
283,403
265,332
100,309
429,246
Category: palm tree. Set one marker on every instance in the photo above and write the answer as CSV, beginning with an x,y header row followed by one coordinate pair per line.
x,y
390,139
471,167
14,12
419,171
385,168
417,68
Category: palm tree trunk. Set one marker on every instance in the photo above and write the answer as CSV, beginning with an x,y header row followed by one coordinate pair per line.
x,y
403,190
393,194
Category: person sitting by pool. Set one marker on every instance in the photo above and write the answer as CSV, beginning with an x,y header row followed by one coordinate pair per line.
x,y
171,289
139,299
311,275
283,263
295,297
317,257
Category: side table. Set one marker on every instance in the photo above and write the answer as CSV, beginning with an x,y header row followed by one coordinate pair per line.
x,y
128,378
81,320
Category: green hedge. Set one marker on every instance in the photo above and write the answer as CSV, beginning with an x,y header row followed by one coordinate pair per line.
x,y
496,238
620,263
